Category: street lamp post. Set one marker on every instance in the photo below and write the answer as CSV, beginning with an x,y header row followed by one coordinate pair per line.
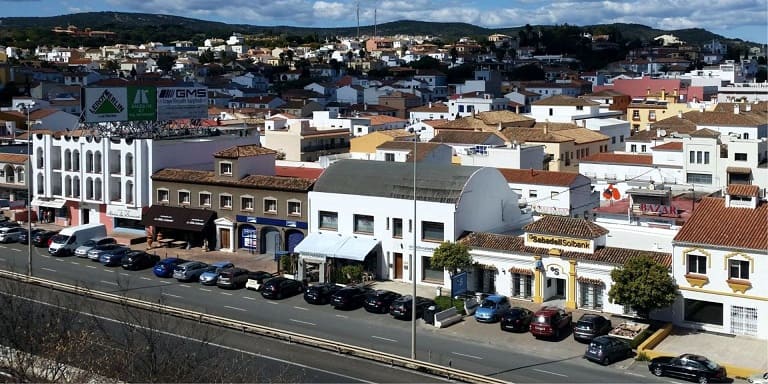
x,y
413,254
28,172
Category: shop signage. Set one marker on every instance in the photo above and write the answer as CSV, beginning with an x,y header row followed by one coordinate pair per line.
x,y
164,218
558,240
123,212
271,221
196,222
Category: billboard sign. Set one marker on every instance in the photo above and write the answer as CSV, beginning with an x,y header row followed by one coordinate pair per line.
x,y
142,103
182,103
106,104
459,284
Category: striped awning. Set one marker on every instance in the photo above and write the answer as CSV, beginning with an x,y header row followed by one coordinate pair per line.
x,y
587,280
522,271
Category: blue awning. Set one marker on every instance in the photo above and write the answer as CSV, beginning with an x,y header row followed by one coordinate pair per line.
x,y
319,245
355,248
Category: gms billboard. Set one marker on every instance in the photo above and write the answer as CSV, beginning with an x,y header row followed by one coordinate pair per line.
x,y
144,103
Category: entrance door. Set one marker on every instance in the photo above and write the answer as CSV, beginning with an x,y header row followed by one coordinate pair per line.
x,y
560,287
398,265
86,214
224,237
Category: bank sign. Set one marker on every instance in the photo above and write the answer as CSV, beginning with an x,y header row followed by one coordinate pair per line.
x,y
144,103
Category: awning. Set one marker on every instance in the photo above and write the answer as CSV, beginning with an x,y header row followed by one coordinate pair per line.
x,y
319,245
185,219
49,203
355,248
741,170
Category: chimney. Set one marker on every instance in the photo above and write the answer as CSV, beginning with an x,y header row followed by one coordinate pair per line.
x,y
663,93
648,91
546,127
680,114
430,104
748,107
701,108
736,108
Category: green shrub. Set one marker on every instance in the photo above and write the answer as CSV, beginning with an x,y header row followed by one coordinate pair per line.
x,y
353,272
444,302
640,338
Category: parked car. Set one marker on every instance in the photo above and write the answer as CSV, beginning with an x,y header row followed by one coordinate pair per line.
x,y
43,238
135,260
10,234
256,279
607,349
24,236
189,271
491,308
320,293
689,367
758,378
209,277
165,267
550,322
113,257
96,251
9,224
349,297
232,278
401,308
281,287
379,301
516,319
82,251
591,325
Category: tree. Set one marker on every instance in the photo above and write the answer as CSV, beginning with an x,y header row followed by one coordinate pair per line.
x,y
166,62
644,284
451,256
454,55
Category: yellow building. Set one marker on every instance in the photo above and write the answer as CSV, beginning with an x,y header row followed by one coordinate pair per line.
x,y
564,143
641,113
364,147
5,70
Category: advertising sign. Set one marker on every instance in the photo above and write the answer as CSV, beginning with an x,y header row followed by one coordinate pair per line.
x,y
106,104
459,284
182,103
142,103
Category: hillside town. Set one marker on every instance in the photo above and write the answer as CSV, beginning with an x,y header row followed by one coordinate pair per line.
x,y
364,152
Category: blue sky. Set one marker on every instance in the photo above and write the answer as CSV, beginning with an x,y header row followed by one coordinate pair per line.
x,y
744,19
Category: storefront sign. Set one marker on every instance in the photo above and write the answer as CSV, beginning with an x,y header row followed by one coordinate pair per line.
x,y
123,212
164,218
193,221
271,221
557,240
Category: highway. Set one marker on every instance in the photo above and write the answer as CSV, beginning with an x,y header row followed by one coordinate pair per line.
x,y
484,350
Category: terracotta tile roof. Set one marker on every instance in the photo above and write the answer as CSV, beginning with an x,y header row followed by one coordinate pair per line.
x,y
723,118
554,126
496,117
422,149
563,100
13,158
582,135
587,280
532,135
467,123
463,137
536,177
243,151
371,108
436,123
739,170
302,172
705,132
516,244
675,124
278,183
714,224
383,119
618,158
566,226
643,136
522,271
435,108
676,146
744,190
396,133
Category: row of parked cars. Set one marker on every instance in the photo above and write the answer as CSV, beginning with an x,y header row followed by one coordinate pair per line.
x,y
372,300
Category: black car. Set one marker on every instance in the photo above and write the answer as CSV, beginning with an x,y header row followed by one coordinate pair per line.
x,y
41,239
402,306
516,319
24,236
591,325
320,293
689,367
349,297
135,260
379,301
281,287
607,349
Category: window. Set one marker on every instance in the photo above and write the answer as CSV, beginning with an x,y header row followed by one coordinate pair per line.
x,y
699,157
270,205
432,231
533,194
633,148
591,296
246,203
205,199
635,115
163,195
738,269
697,264
706,157
699,311
397,228
740,156
621,138
225,169
225,201
429,273
184,197
389,157
613,140
363,224
551,112
294,208
643,148
692,157
553,195
652,115
699,178
328,220
522,285
579,107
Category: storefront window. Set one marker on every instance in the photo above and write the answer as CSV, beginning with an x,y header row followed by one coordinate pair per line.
x,y
363,224
432,231
428,273
700,311
591,296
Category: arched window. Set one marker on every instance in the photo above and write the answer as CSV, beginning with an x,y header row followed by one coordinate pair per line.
x,y
68,186
97,188
129,164
97,162
76,187
40,185
67,160
10,174
89,189
76,160
88,162
129,192
40,158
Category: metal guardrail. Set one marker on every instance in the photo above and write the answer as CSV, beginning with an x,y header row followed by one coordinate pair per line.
x,y
275,333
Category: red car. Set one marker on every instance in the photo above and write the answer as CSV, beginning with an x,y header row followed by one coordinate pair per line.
x,y
550,322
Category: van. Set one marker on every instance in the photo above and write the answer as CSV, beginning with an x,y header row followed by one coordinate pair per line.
x,y
66,241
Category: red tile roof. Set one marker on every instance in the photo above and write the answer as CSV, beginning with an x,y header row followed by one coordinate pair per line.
x,y
244,151
671,146
13,158
197,177
536,177
714,224
618,158
566,226
303,172
743,190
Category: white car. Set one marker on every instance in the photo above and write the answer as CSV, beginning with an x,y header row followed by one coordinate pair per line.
x,y
760,378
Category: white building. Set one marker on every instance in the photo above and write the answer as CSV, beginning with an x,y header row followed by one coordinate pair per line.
x,y
563,109
616,129
553,193
462,105
363,212
490,149
720,262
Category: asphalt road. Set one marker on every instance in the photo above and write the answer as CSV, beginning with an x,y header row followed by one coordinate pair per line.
x,y
480,348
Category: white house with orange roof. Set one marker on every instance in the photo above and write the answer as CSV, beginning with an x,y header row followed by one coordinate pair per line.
x,y
720,261
377,123
468,104
431,111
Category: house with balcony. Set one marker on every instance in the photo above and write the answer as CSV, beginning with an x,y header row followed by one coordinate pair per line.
x,y
564,144
553,193
470,103
720,262
363,212
245,202
490,149
13,170
295,140
431,111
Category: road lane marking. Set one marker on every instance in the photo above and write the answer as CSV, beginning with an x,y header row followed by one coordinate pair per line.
x,y
205,290
469,356
90,266
4,247
302,308
171,295
272,302
236,308
15,250
109,270
551,373
302,322
145,278
249,298
1,259
124,274
48,269
57,259
74,262
46,256
165,282
226,293
384,338
184,285
343,316
107,282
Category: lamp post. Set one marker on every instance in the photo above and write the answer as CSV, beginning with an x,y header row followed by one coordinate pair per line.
x,y
413,254
28,173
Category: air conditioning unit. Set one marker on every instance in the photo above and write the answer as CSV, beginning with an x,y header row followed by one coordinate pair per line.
x,y
469,151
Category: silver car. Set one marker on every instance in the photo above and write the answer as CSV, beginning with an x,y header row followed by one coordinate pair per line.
x,y
10,234
189,271
96,251
82,251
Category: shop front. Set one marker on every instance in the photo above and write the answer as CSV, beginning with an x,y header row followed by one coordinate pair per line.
x,y
125,218
180,227
322,256
51,211
269,235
